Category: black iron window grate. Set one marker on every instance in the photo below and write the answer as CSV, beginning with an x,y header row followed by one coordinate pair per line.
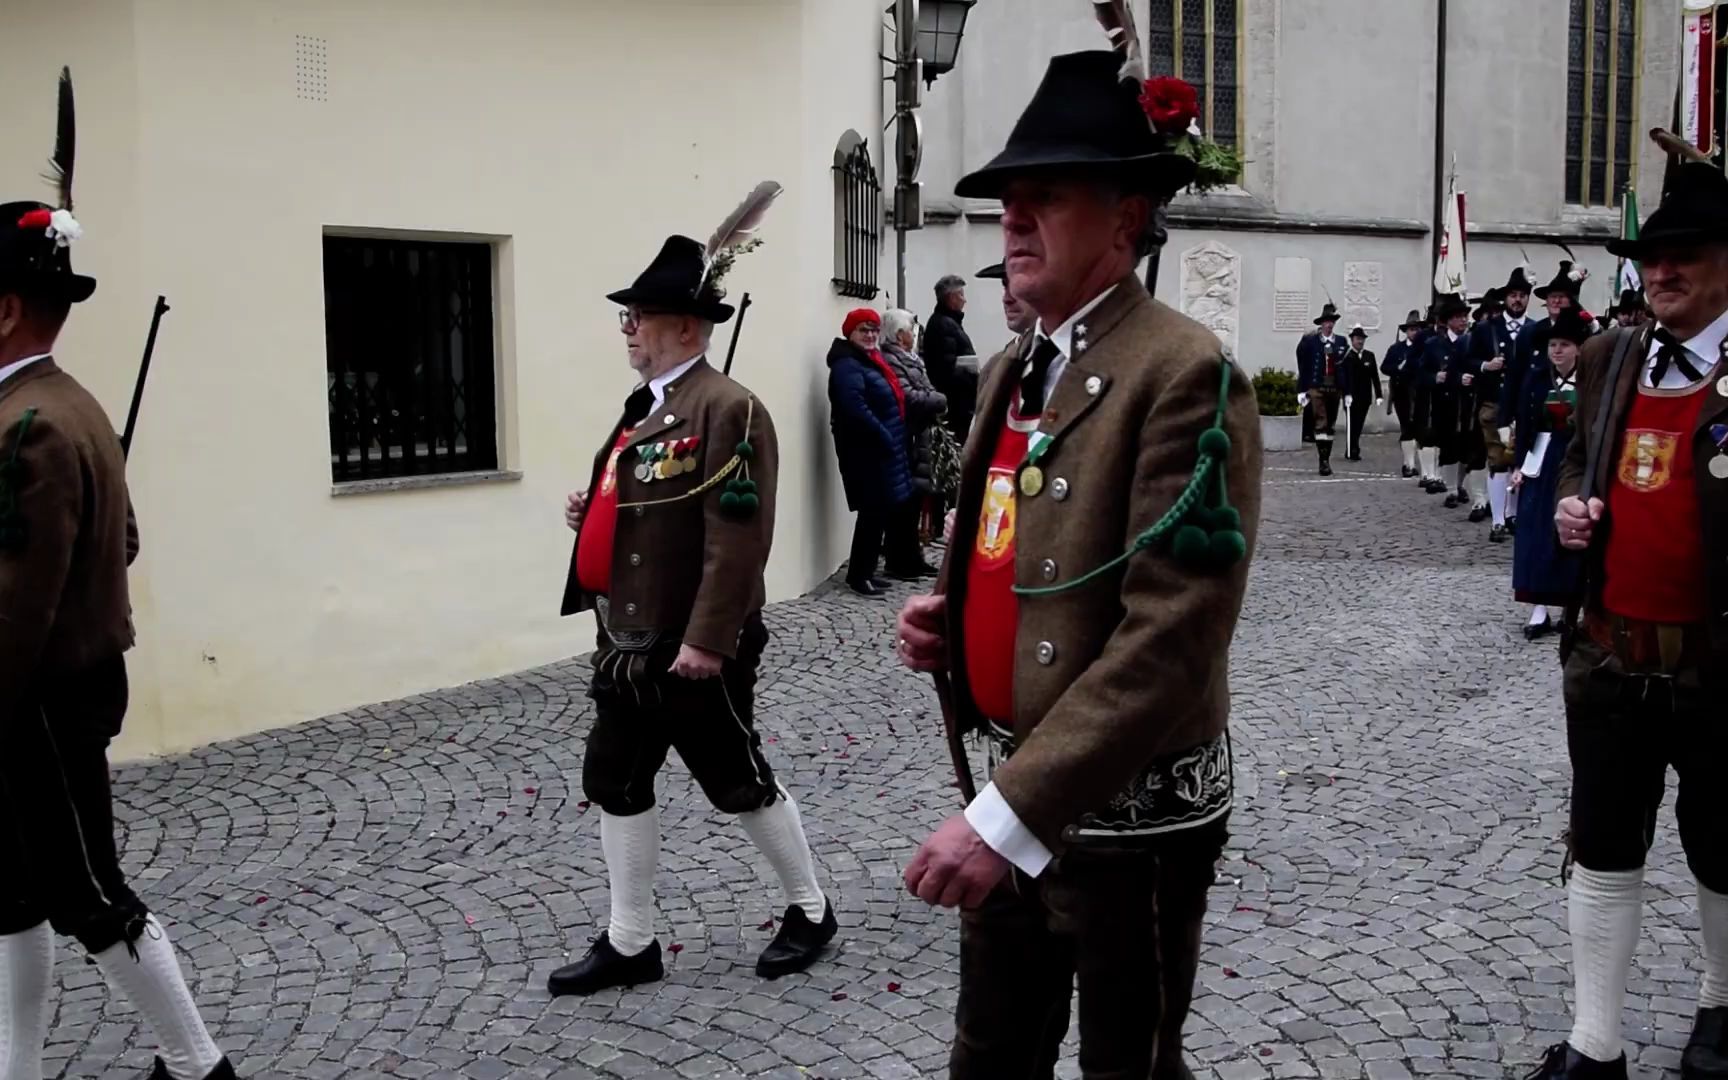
x,y
409,357
1200,41
858,218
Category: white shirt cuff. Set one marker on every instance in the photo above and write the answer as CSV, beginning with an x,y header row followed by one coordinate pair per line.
x,y
997,825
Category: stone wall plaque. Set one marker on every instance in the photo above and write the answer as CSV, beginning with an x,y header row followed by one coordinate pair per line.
x,y
1211,289
1362,293
1292,295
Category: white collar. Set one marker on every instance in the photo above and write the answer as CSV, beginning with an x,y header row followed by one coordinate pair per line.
x,y
1063,336
659,383
1707,345
1450,336
19,365
1510,320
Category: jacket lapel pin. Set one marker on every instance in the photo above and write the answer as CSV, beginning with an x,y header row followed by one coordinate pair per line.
x,y
1079,339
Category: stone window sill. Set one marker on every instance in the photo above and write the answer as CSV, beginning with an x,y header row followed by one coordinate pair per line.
x,y
422,483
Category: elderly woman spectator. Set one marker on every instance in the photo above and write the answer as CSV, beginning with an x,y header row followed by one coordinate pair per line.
x,y
869,418
924,409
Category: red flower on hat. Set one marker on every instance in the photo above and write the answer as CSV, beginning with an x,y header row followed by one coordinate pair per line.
x,y
36,219
1170,103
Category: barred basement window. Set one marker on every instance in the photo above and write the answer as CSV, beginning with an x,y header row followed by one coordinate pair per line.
x,y
409,357
1200,41
1601,101
857,219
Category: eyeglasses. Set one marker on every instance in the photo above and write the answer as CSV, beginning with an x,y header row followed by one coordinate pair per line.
x,y
630,319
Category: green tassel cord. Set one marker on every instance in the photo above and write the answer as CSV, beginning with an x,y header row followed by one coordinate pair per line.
x,y
13,531
1203,530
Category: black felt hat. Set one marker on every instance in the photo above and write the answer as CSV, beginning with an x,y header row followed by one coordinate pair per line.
x,y
1358,332
676,283
1571,326
1448,306
1084,117
1630,300
1518,282
34,263
1569,279
995,272
1412,319
1694,210
1329,313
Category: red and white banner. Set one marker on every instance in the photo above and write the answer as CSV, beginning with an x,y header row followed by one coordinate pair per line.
x,y
1449,268
1698,79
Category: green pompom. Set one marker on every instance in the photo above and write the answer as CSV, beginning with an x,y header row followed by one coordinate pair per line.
x,y
1191,545
748,503
746,487
1227,518
730,500
1215,443
1229,547
1202,518
745,450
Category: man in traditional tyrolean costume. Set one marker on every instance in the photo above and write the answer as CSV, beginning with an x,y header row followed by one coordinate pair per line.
x,y
1490,344
1399,367
1320,381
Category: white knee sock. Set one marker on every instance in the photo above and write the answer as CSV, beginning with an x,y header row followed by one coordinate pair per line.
x,y
1409,448
26,966
154,984
1713,913
632,849
1430,463
778,831
1477,482
1538,615
1499,486
1604,909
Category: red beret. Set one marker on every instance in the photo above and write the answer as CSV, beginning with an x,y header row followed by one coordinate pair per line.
x,y
858,317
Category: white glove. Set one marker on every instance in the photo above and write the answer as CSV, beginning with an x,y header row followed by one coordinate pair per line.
x,y
1379,401
1302,399
1506,435
1349,400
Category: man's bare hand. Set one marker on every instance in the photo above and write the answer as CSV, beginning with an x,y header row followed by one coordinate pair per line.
x,y
1517,480
1495,364
1576,521
923,644
1467,379
574,507
948,528
695,662
955,867
1439,376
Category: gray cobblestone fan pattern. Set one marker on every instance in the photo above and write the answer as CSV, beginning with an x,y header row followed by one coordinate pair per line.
x,y
384,892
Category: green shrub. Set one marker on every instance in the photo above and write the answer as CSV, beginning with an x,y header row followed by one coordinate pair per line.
x,y
1276,391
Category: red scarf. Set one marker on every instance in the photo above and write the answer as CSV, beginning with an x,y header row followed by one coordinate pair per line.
x,y
893,380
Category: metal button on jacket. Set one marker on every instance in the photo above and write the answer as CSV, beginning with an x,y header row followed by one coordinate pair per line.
x,y
629,609
1094,386
1059,489
1046,653
1048,569
635,560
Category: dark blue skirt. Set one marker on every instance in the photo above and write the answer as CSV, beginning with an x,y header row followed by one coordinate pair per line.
x,y
1543,572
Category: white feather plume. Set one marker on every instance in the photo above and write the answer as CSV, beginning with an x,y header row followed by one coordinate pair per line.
x,y
1117,18
739,227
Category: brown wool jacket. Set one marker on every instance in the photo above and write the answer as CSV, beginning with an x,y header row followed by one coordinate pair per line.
x,y
682,567
1593,365
63,597
1132,667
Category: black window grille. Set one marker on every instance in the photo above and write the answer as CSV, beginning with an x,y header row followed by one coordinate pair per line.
x,y
1601,100
408,344
1200,41
857,220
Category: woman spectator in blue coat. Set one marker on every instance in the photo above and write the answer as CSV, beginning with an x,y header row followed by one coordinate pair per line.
x,y
869,420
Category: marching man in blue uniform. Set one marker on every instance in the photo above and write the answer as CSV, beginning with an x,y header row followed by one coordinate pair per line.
x,y
1399,367
1492,342
1320,380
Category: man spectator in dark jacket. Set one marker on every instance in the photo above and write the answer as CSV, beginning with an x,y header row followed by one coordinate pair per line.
x,y
945,342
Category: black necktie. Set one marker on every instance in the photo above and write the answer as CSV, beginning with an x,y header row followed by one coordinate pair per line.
x,y
1672,352
1035,375
637,406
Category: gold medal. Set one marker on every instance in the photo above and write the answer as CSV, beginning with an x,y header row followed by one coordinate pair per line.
x,y
660,469
1719,467
1031,481
690,464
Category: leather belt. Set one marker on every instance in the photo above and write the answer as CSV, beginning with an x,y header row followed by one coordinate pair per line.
x,y
1649,648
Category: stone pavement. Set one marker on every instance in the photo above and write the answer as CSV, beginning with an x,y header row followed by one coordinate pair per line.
x,y
383,893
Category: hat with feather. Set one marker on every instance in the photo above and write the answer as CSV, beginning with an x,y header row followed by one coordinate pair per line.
x,y
1569,279
688,277
1694,206
36,238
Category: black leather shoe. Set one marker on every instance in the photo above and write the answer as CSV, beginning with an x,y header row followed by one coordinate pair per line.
x,y
1537,631
1478,514
1325,470
1706,1056
1561,1062
1512,525
1436,487
603,968
1405,472
1497,535
1452,501
798,943
223,1071
865,588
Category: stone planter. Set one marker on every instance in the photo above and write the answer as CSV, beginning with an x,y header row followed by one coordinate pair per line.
x,y
1279,433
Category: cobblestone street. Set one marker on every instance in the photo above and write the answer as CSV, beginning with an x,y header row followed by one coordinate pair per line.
x,y
384,892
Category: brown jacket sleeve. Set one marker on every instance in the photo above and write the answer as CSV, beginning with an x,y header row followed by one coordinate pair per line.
x,y
50,493
1171,648
735,550
1592,375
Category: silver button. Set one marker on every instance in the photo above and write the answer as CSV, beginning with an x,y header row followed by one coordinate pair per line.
x,y
1059,489
629,609
1046,653
640,510
1048,569
635,560
1094,386
669,419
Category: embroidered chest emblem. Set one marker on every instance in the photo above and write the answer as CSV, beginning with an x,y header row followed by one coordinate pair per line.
x,y
609,478
996,520
1647,459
